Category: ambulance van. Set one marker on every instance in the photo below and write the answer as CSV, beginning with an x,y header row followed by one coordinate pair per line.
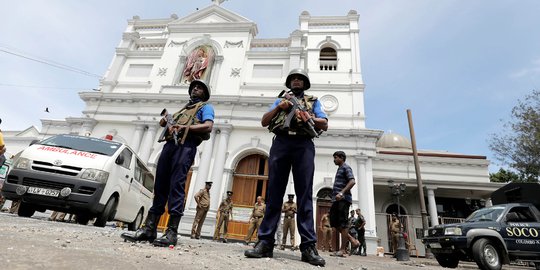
x,y
86,176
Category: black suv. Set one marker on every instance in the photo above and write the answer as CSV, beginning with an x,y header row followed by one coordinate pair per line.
x,y
490,236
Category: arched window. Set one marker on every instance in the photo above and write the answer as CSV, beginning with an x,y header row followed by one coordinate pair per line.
x,y
328,59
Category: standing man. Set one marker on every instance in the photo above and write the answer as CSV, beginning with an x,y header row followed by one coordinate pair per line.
x,y
341,201
361,231
224,215
256,218
289,208
292,147
395,229
202,198
192,124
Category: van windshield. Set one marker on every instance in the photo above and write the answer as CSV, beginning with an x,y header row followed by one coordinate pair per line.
x,y
80,143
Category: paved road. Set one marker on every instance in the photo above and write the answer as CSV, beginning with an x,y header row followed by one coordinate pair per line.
x,y
35,243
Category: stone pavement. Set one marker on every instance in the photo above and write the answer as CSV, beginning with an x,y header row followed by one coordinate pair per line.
x,y
33,243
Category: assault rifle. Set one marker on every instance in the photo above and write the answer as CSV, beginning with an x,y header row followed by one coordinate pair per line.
x,y
297,106
170,123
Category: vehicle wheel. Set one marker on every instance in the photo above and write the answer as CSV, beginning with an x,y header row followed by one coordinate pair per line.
x,y
486,255
105,216
133,226
25,210
82,219
447,260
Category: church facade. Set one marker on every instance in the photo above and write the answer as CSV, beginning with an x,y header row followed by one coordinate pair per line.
x,y
156,60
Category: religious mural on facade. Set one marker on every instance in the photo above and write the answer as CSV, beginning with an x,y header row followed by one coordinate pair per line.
x,y
198,64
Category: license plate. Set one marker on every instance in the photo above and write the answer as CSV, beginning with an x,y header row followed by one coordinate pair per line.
x,y
435,245
43,191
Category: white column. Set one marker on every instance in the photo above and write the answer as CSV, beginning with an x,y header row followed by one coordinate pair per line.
x,y
137,136
206,157
202,171
366,200
432,206
148,142
219,162
364,183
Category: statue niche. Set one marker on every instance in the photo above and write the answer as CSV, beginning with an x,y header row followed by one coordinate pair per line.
x,y
198,64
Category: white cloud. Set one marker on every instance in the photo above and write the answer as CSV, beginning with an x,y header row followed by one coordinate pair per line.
x,y
532,70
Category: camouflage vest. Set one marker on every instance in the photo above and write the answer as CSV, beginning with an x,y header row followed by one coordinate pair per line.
x,y
182,117
297,125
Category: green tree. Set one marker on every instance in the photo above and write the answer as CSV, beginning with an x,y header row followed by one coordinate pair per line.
x,y
518,144
504,176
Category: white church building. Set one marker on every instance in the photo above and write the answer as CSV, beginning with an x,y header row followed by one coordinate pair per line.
x,y
151,70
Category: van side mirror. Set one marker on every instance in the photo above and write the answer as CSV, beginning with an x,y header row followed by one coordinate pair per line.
x,y
119,160
33,142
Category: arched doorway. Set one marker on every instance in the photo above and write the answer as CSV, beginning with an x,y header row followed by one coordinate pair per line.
x,y
393,208
249,181
324,202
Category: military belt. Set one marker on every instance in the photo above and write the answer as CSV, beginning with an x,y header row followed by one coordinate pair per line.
x,y
291,133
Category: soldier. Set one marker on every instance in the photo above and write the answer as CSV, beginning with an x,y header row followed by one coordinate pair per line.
x,y
352,230
326,230
256,218
203,204
361,230
395,229
289,208
224,215
292,148
194,123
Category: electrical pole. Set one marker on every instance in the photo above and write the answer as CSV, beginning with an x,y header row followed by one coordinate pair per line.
x,y
423,211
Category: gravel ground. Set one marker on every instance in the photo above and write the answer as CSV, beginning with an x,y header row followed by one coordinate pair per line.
x,y
34,243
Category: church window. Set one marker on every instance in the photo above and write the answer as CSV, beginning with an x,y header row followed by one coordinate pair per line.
x,y
328,59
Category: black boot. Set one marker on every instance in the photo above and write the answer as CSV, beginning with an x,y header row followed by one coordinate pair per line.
x,y
311,256
260,250
148,232
170,237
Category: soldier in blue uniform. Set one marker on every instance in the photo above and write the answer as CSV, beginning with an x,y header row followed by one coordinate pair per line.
x,y
292,148
197,119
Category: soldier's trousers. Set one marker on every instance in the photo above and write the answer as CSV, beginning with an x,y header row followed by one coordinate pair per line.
x,y
296,153
171,173
327,238
198,222
395,241
254,224
289,227
222,221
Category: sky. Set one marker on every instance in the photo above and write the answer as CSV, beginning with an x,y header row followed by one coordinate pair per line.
x,y
460,66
